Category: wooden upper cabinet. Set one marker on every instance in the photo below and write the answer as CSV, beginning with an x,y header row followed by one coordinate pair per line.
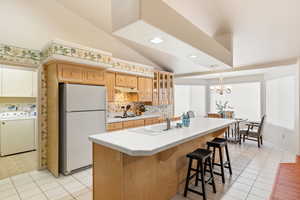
x,y
171,89
79,74
145,89
124,80
165,88
94,76
70,73
155,89
149,89
110,79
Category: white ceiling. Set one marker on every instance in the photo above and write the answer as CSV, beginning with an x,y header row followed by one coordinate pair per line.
x,y
263,31
141,33
98,12
282,70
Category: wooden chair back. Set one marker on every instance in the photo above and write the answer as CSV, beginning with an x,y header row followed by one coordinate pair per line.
x,y
261,125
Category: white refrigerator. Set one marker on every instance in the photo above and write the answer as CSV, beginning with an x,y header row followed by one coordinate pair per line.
x,y
82,113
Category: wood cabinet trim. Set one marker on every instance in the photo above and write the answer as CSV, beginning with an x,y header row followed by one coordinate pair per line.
x,y
69,73
53,119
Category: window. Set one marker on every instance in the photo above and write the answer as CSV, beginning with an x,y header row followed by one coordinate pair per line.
x,y
244,100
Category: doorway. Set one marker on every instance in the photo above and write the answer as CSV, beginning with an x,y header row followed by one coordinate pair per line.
x,y
19,138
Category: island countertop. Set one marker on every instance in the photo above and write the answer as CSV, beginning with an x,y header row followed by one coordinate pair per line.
x,y
150,140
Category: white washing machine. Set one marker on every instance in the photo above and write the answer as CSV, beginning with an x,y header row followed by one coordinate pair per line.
x,y
17,135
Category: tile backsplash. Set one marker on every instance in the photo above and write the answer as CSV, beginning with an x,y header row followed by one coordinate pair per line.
x,y
164,110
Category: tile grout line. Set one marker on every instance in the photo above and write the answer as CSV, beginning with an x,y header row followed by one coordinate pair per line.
x,y
38,186
72,195
260,171
15,188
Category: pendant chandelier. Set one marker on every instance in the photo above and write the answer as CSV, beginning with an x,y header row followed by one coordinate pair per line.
x,y
221,88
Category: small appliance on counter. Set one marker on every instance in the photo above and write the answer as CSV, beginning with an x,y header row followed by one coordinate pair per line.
x,y
140,109
125,112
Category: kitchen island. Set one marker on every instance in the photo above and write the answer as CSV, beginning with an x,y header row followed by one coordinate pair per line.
x,y
148,163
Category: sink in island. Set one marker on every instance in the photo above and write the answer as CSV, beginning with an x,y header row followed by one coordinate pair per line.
x,y
147,163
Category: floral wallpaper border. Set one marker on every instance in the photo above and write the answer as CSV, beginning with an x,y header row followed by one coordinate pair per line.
x,y
23,56
139,69
18,55
66,50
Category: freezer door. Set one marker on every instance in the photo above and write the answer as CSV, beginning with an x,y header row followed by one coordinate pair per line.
x,y
78,148
84,97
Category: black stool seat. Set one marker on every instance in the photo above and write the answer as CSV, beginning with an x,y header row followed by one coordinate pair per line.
x,y
199,154
217,142
203,159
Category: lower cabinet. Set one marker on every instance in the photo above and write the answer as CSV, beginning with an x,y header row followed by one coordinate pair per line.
x,y
152,121
132,124
114,126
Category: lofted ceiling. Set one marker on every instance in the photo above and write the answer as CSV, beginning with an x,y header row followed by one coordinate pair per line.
x,y
263,31
283,70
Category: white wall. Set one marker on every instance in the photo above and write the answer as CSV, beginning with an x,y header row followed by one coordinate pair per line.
x,y
245,99
182,99
280,98
33,23
190,97
198,100
281,124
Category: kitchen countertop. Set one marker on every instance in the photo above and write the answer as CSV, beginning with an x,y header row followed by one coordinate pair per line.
x,y
149,140
113,120
17,118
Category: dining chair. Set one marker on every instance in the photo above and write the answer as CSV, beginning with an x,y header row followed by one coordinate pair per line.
x,y
254,131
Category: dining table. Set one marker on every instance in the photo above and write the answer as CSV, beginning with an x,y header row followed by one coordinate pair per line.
x,y
235,131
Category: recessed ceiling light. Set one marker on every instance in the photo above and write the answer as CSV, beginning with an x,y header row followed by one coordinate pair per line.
x,y
193,56
156,40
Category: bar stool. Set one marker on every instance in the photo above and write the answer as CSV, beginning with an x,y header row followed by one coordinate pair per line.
x,y
220,143
203,158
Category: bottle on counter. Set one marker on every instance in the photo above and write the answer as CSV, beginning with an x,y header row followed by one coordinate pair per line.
x,y
188,121
185,120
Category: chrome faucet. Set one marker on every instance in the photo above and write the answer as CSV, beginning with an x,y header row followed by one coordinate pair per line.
x,y
168,120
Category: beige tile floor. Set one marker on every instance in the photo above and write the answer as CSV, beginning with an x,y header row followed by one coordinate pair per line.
x,y
18,163
254,172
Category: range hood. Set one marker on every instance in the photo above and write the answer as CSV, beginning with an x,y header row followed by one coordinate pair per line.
x,y
127,90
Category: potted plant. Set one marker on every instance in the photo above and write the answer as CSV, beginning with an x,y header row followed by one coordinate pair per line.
x,y
221,108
